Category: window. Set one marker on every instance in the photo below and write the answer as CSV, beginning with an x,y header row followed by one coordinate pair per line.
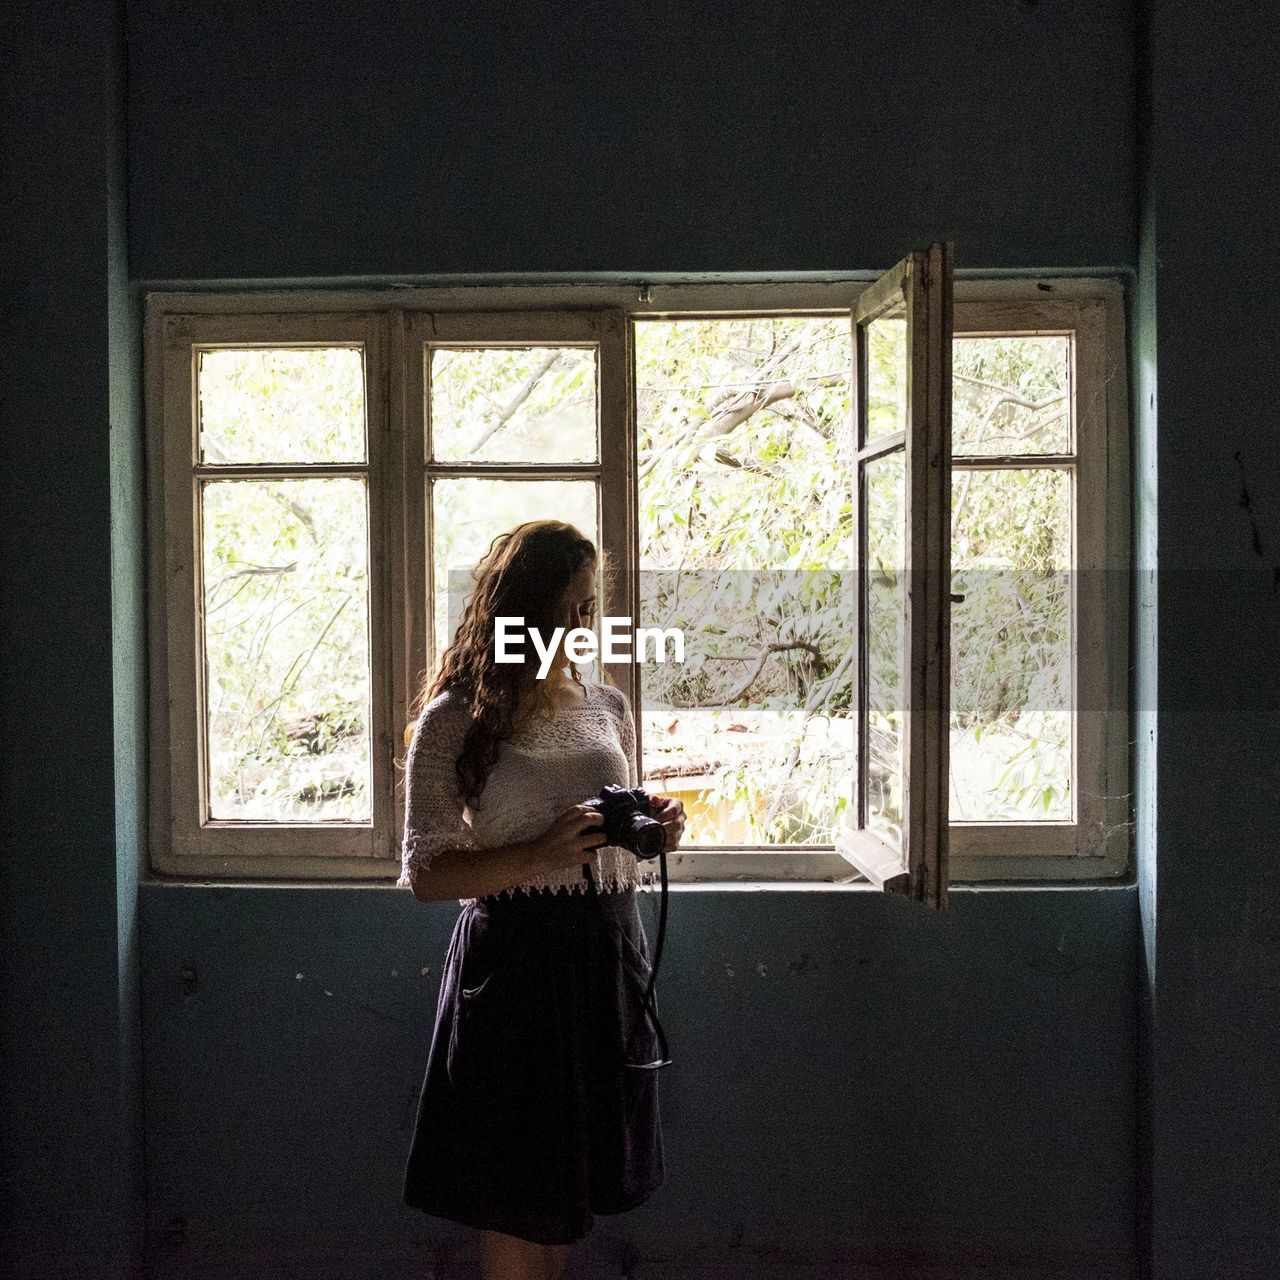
x,y
327,467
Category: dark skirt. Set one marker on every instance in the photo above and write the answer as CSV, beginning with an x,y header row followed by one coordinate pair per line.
x,y
529,1122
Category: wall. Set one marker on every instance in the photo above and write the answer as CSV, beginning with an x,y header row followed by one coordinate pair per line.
x,y
265,142
392,138
854,1081
1216,1053
388,141
71,1074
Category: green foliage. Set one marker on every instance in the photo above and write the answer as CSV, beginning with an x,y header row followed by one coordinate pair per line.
x,y
1011,559
287,649
746,456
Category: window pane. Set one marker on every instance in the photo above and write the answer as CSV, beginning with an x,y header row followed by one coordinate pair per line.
x,y
286,637
513,404
1011,667
1011,395
886,589
282,404
469,513
888,373
746,526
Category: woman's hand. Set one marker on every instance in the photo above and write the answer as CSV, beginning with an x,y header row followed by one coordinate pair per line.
x,y
570,840
670,812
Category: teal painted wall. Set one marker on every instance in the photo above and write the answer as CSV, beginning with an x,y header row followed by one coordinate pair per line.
x,y
853,1080
71,1076
657,138
1215,1073
500,136
1108,1057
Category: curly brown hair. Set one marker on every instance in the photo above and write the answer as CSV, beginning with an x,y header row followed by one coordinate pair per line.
x,y
525,573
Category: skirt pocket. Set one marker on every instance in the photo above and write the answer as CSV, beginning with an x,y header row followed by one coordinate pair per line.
x,y
489,1043
468,994
467,1056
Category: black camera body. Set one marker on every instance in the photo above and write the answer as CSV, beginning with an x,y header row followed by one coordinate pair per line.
x,y
628,823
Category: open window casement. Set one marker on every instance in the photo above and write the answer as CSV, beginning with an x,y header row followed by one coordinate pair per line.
x,y
902,508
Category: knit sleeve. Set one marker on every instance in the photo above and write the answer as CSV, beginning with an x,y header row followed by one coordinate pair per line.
x,y
626,732
434,817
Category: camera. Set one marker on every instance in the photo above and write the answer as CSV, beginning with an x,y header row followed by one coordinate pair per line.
x,y
627,820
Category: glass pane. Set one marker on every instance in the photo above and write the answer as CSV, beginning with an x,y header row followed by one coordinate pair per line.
x,y
468,514
513,404
888,373
886,588
286,635
1011,667
1011,394
282,404
746,526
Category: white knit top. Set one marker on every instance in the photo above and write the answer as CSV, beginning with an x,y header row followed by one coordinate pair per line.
x,y
542,770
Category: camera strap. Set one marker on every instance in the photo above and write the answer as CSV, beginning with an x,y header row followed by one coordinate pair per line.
x,y
646,999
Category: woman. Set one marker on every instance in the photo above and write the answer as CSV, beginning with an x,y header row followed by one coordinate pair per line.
x,y
532,1118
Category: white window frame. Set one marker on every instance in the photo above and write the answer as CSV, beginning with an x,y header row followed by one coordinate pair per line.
x,y
391,325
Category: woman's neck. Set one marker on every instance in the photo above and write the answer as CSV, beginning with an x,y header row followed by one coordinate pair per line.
x,y
563,690
558,677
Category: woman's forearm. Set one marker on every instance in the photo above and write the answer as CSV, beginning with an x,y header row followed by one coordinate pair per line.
x,y
475,873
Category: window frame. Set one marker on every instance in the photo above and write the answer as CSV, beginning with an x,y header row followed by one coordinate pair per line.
x,y
417,331
393,319
179,841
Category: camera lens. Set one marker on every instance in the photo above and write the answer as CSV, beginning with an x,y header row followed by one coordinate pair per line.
x,y
647,836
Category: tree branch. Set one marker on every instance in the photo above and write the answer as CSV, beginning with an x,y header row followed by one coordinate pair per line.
x,y
760,658
525,390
